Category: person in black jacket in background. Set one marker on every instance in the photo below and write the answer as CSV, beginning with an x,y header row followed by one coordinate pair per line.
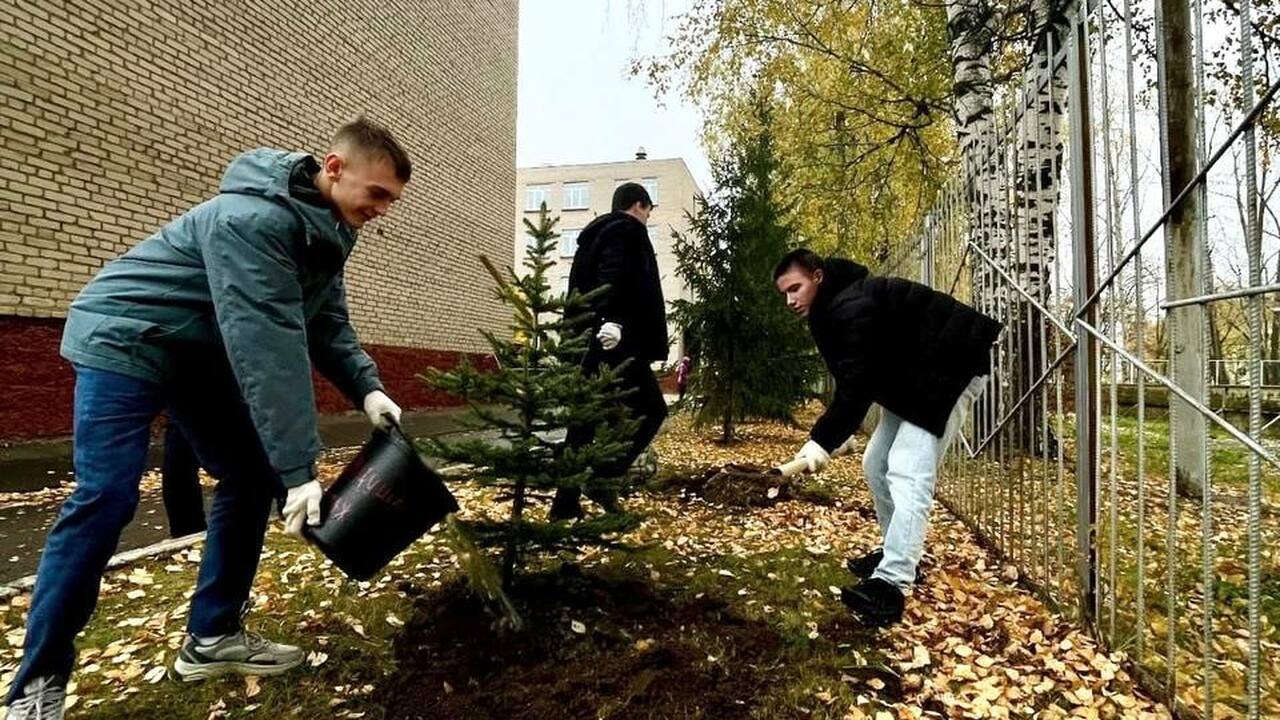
x,y
923,357
631,322
180,484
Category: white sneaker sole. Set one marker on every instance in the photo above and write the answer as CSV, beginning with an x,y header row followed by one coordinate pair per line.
x,y
187,672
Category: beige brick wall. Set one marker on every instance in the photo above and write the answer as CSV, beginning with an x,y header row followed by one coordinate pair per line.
x,y
676,190
117,116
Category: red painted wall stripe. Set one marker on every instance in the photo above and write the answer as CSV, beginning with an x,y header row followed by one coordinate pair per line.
x,y
37,385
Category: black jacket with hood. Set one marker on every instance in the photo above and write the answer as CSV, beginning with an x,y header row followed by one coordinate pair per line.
x,y
897,343
614,250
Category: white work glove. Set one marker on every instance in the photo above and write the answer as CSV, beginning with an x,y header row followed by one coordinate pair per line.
x,y
845,448
377,406
813,455
302,504
610,335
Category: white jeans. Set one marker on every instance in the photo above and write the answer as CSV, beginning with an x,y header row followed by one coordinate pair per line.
x,y
901,464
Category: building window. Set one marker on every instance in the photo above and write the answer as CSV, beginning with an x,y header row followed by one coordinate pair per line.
x,y
577,196
535,196
562,287
569,242
651,185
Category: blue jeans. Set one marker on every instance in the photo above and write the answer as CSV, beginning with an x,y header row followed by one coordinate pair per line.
x,y
901,465
113,416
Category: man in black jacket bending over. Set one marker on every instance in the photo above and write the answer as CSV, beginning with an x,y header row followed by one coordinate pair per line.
x,y
923,357
631,319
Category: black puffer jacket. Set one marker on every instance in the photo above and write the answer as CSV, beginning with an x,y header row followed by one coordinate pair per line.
x,y
614,250
897,343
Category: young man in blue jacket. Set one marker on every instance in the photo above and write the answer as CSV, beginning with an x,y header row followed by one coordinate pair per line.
x,y
216,319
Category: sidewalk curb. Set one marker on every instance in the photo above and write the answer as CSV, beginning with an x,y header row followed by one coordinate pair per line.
x,y
128,557
117,561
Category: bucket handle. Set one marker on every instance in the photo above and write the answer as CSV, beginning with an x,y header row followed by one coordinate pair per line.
x,y
394,428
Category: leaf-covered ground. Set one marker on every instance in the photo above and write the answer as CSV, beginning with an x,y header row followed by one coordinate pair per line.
x,y
718,612
1156,609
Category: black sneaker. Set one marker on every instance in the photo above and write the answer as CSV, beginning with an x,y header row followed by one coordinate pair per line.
x,y
865,566
862,567
876,602
244,653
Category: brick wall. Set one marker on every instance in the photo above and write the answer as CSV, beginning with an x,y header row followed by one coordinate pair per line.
x,y
117,116
39,387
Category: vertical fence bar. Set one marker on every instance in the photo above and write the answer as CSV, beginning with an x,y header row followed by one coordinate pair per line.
x,y
1171,332
981,298
980,232
1113,501
1035,322
991,280
999,251
1085,281
1042,227
1253,240
1140,335
1207,547
1010,165
926,260
1009,437
1056,289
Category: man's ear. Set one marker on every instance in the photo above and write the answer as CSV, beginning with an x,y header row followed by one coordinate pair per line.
x,y
817,276
332,165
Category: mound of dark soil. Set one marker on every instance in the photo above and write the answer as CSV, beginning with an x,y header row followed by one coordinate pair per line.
x,y
593,647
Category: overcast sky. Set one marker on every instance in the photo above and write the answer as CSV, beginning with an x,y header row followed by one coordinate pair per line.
x,y
576,102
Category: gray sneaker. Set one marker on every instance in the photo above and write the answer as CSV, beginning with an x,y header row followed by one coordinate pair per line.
x,y
645,467
245,653
42,699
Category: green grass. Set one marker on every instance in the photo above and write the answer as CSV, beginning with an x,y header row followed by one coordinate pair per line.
x,y
306,604
1229,457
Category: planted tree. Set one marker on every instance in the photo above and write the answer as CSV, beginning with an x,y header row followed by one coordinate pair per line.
x,y
523,408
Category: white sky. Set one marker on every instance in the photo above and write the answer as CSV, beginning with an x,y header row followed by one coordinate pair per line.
x,y
576,101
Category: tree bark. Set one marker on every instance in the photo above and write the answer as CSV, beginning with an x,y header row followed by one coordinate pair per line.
x,y
1184,242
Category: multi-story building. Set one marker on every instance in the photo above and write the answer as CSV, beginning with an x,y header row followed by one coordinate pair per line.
x,y
116,117
578,193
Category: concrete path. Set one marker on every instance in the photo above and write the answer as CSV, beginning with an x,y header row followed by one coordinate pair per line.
x,y
35,479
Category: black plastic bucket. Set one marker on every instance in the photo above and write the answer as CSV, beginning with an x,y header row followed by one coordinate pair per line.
x,y
385,499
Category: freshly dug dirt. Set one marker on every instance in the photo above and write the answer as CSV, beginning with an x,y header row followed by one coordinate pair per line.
x,y
741,485
746,486
592,648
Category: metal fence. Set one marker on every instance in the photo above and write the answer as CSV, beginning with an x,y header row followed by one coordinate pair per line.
x,y
1156,528
1222,372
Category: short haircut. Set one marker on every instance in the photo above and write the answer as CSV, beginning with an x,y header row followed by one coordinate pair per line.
x,y
375,142
628,194
804,257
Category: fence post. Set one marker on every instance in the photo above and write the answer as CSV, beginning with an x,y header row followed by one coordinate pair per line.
x,y
1086,356
926,246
